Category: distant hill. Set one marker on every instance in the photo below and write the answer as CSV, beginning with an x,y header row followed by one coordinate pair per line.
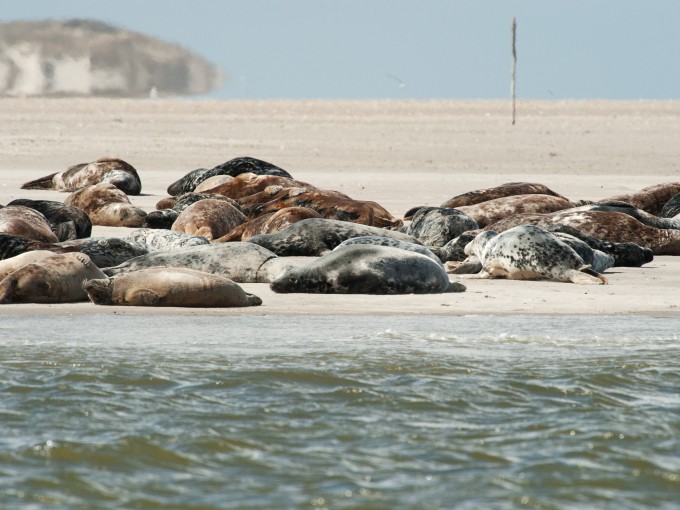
x,y
91,58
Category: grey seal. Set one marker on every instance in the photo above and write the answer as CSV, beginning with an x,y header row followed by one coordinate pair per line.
x,y
436,226
161,239
388,241
65,221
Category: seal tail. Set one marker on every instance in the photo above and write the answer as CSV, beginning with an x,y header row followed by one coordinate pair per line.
x,y
42,183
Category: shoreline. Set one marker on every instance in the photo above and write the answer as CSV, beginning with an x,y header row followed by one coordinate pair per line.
x,y
397,153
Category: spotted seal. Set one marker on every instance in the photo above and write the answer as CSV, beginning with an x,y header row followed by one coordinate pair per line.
x,y
65,221
161,239
491,211
25,222
106,251
268,223
55,279
368,269
208,218
316,236
598,261
436,226
106,205
112,170
387,241
11,246
528,252
168,286
652,198
241,262
233,167
161,218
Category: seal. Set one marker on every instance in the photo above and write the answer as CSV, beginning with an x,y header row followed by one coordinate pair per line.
x,y
671,209
26,222
160,219
486,194
436,226
106,251
650,199
247,184
368,269
597,260
112,170
208,218
65,221
317,236
181,202
386,241
494,210
168,286
11,264
160,239
212,182
454,250
329,204
11,246
268,223
55,279
528,252
107,205
639,214
240,262
233,167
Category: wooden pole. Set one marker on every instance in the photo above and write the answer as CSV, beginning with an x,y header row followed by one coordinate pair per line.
x,y
514,66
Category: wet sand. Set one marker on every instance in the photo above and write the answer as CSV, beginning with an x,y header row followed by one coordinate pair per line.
x,y
398,153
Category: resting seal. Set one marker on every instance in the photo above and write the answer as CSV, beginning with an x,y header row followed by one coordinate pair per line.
x,y
112,170
652,198
208,218
528,252
168,286
55,279
241,262
268,223
233,167
107,205
368,269
316,236
25,222
11,264
436,226
387,241
493,210
65,221
161,239
106,251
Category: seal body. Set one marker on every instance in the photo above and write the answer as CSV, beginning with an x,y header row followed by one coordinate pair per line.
x,y
11,264
316,236
491,211
65,221
106,251
109,170
164,286
387,241
368,269
268,223
107,205
161,239
528,252
436,226
55,279
22,221
208,218
652,198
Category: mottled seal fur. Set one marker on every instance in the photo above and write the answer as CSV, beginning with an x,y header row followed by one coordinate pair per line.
x,y
208,218
11,246
387,241
268,223
107,205
639,214
161,218
241,262
65,221
368,269
55,279
168,286
160,239
111,170
233,167
11,264
181,202
491,211
316,236
454,250
671,208
26,222
597,260
107,251
652,198
247,184
528,252
436,226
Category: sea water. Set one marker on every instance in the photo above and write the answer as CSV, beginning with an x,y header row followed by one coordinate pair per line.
x,y
274,412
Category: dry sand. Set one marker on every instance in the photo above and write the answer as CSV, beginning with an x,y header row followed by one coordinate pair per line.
x,y
398,153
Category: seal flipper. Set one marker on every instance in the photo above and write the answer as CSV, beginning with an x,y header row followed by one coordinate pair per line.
x,y
586,276
143,297
42,183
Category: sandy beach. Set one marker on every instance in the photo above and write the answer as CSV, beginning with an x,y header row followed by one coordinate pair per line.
x,y
398,153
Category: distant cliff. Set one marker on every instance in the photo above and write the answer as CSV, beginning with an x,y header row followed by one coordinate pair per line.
x,y
91,58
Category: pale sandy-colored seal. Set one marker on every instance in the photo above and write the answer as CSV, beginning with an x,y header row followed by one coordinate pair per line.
x,y
208,218
241,262
316,236
161,239
11,264
268,223
106,205
55,279
436,226
65,221
233,167
368,269
112,170
528,252
168,286
25,222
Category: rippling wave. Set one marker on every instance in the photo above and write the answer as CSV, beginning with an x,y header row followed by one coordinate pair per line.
x,y
331,412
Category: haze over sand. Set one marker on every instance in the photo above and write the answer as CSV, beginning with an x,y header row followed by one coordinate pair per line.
x,y
398,153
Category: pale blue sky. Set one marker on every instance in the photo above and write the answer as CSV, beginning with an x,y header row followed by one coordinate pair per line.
x,y
611,49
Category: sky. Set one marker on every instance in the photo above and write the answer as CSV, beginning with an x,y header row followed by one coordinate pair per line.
x,y
410,49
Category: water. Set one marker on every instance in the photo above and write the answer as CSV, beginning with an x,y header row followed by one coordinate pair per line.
x,y
339,412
